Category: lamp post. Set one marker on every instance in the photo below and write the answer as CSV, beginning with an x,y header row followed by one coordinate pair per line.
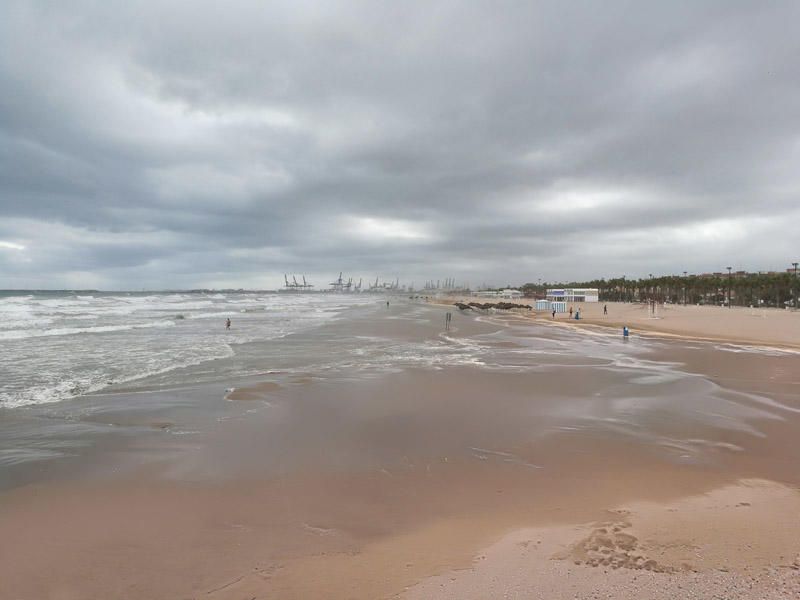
x,y
684,288
794,285
729,286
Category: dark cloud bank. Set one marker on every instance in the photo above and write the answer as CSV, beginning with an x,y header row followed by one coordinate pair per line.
x,y
183,144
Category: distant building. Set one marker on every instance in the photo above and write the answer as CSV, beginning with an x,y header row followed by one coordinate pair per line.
x,y
573,295
511,294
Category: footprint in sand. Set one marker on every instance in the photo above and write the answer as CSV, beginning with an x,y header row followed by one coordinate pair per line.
x,y
609,545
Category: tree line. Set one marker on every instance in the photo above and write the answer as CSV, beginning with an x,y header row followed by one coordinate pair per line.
x,y
751,289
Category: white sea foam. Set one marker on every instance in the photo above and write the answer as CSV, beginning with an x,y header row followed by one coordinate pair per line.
x,y
765,350
32,333
57,346
70,388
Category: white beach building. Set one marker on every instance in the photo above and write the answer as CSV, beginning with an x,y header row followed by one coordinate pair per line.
x,y
573,295
511,294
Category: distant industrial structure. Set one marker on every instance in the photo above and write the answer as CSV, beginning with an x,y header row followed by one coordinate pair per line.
x,y
340,285
447,285
296,286
386,286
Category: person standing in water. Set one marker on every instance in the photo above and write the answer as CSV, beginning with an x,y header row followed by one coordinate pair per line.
x,y
227,324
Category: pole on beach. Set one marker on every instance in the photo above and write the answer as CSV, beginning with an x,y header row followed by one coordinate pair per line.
x,y
684,288
794,285
729,286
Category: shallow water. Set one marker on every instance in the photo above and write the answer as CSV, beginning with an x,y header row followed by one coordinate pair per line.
x,y
59,345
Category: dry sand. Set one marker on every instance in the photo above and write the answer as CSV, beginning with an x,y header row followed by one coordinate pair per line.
x,y
738,541
756,326
762,327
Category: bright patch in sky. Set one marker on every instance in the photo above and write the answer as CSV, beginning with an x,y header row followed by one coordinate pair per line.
x,y
11,246
587,199
373,228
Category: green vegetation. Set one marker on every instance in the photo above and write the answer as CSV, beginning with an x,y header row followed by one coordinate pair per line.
x,y
746,289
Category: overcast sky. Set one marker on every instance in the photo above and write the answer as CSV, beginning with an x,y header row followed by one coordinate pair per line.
x,y
188,144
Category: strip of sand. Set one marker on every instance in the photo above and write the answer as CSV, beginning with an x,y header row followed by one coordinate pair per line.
x,y
758,327
748,326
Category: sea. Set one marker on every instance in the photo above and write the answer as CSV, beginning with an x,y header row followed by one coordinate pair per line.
x,y
57,345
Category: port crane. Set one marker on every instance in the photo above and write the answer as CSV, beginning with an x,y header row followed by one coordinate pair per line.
x,y
296,286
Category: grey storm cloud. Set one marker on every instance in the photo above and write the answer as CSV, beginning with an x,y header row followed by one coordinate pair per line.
x,y
185,144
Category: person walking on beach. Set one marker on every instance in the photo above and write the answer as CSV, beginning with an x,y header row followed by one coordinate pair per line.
x,y
227,324
554,313
570,312
605,309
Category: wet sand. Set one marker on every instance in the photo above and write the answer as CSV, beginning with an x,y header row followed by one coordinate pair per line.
x,y
254,392
364,483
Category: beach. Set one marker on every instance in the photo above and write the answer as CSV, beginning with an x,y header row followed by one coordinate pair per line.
x,y
373,454
738,325
741,325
